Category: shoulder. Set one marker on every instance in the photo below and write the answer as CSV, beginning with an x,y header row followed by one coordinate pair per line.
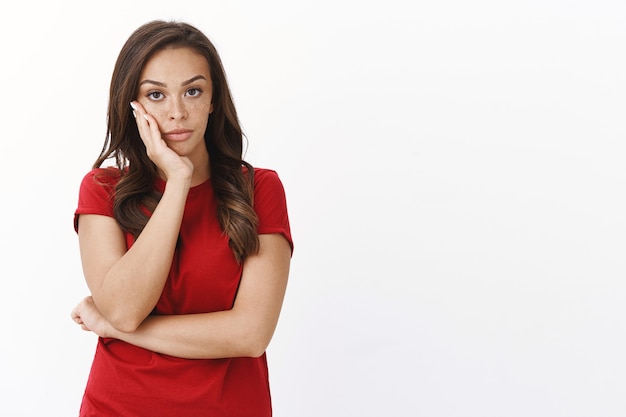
x,y
270,204
100,181
269,193
96,193
267,185
266,177
106,177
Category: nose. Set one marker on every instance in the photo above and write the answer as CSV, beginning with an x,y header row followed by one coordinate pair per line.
x,y
177,109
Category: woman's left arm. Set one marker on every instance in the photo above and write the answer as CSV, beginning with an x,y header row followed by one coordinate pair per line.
x,y
245,330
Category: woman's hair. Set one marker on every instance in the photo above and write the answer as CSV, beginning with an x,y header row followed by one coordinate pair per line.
x,y
232,178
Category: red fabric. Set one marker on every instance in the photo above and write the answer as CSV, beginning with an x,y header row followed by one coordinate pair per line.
x,y
129,381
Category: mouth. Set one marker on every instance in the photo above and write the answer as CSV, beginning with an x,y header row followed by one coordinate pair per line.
x,y
176,135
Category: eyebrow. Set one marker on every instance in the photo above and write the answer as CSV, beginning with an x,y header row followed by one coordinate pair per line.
x,y
184,83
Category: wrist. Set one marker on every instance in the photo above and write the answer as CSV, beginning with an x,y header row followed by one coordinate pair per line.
x,y
178,181
111,332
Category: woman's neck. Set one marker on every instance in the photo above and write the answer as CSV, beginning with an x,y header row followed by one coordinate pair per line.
x,y
201,170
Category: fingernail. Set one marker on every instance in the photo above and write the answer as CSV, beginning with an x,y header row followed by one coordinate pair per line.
x,y
134,114
133,106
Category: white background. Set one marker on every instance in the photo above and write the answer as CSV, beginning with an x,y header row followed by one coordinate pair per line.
x,y
455,179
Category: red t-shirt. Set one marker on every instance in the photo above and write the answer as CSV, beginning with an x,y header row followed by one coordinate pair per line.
x,y
130,381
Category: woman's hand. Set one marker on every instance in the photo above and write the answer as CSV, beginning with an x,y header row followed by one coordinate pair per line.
x,y
169,162
87,315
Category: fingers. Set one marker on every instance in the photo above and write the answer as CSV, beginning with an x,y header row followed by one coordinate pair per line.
x,y
75,314
149,132
147,126
77,311
78,320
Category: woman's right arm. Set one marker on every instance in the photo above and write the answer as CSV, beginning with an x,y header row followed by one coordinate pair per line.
x,y
126,285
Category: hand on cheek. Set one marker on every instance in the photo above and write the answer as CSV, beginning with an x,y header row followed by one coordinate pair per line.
x,y
169,162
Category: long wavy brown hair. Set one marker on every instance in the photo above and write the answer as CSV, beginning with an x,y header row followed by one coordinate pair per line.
x,y
232,177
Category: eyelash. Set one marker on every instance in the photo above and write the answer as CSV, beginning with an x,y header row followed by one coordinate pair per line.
x,y
150,95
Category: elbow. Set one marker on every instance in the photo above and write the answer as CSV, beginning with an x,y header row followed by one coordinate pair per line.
x,y
256,351
125,327
252,352
255,344
124,323
122,318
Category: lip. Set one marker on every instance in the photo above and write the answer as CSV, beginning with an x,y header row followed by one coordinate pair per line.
x,y
177,134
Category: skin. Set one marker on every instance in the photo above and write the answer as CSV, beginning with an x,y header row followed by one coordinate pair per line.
x,y
175,96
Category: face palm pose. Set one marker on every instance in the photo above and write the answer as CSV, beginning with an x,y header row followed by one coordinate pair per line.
x,y
173,107
185,247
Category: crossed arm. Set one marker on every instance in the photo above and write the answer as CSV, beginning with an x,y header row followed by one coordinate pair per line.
x,y
119,306
245,330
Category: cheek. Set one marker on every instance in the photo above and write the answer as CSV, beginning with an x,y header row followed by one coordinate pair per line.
x,y
200,113
201,109
153,109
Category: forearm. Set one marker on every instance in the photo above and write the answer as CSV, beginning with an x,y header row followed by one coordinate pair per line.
x,y
244,330
223,334
132,286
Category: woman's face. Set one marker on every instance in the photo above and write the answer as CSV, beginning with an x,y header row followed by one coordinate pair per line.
x,y
175,88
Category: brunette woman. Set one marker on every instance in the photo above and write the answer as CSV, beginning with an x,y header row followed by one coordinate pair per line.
x,y
185,247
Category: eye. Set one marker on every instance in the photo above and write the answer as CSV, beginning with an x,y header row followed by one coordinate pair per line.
x,y
155,95
193,92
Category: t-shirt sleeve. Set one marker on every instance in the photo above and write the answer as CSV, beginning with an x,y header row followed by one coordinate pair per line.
x,y
95,195
270,205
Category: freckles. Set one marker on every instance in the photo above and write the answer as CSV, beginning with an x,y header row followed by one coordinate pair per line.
x,y
201,108
149,107
160,114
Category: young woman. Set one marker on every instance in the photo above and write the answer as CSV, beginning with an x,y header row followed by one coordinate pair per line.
x,y
185,247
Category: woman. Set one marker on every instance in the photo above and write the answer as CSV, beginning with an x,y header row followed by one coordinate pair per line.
x,y
185,247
